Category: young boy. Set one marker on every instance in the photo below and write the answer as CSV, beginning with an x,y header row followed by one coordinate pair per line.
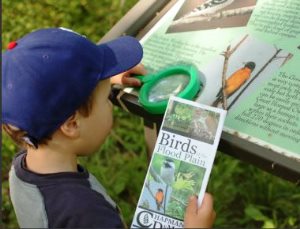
x,y
55,89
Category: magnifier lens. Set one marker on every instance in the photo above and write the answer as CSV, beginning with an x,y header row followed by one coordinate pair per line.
x,y
167,86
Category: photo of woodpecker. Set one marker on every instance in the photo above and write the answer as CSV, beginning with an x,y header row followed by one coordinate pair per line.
x,y
235,81
159,198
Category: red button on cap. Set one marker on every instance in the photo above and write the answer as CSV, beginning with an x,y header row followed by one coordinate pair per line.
x,y
12,44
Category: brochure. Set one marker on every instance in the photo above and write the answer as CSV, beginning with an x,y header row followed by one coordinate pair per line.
x,y
248,54
181,163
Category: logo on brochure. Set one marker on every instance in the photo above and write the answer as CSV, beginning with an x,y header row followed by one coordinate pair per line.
x,y
148,219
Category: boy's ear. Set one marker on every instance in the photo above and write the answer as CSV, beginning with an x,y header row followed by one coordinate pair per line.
x,y
70,127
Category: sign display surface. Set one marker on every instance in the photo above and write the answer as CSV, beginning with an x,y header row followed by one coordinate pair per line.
x,y
248,54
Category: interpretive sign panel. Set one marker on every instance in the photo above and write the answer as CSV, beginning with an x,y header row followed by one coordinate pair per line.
x,y
249,63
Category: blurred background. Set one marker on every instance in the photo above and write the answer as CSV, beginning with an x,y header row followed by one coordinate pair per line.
x,y
245,197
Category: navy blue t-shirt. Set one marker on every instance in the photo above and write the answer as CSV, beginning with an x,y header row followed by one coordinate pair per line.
x,y
60,200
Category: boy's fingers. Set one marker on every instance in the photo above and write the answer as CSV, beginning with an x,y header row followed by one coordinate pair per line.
x,y
207,207
192,205
138,70
200,217
207,202
130,81
126,79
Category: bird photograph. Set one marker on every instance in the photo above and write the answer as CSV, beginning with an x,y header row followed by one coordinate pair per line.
x,y
235,81
167,171
204,125
159,198
158,185
239,70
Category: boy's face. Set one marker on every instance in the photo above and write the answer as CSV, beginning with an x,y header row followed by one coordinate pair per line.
x,y
96,127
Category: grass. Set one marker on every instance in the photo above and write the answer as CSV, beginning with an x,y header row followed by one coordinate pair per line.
x,y
244,195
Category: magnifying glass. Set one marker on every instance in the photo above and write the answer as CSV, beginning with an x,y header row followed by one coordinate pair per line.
x,y
180,80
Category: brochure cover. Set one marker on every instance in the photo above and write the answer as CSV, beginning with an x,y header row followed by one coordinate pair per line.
x,y
248,53
181,163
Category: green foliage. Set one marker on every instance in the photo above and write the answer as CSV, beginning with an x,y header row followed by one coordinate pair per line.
x,y
248,197
93,18
244,195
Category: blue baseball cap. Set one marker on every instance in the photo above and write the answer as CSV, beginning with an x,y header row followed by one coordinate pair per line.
x,y
49,73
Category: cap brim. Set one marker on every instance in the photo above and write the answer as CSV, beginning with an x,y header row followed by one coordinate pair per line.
x,y
120,55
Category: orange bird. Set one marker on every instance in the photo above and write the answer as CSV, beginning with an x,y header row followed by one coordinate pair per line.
x,y
235,81
159,198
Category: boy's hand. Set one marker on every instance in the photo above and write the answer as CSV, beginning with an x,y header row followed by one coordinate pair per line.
x,y
126,79
202,217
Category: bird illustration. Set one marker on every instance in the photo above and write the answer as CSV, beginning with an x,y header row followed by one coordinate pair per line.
x,y
235,81
209,7
159,198
167,171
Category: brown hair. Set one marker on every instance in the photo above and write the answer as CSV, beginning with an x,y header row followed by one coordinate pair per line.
x,y
19,136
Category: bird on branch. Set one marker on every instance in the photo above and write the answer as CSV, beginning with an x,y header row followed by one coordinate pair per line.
x,y
235,81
